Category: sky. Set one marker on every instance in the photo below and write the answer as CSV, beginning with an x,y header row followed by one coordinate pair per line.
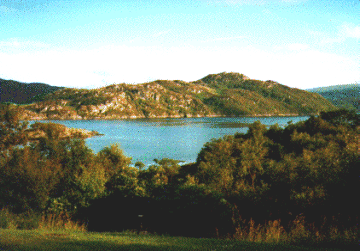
x,y
91,43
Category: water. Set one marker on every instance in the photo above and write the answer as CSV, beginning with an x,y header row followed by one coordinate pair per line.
x,y
181,139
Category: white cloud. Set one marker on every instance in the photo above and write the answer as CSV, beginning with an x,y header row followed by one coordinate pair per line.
x,y
161,33
224,38
117,64
298,47
345,31
16,44
350,30
306,69
332,40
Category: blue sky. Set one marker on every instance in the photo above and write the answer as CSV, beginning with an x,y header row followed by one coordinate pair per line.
x,y
89,43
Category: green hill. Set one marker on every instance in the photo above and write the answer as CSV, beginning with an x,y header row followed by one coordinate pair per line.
x,y
239,95
23,93
343,96
223,94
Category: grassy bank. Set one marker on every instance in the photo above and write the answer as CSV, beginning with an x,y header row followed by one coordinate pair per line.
x,y
77,240
50,232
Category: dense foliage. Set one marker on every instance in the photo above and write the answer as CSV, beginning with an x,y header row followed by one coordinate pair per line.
x,y
304,170
343,96
22,93
52,173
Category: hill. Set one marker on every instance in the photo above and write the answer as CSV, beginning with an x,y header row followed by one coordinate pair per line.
x,y
23,93
343,96
223,94
240,95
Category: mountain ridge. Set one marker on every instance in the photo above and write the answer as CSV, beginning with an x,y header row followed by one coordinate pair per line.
x,y
23,93
333,87
222,94
343,96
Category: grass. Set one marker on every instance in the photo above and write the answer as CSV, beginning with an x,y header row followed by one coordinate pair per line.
x,y
60,233
11,239
30,221
300,234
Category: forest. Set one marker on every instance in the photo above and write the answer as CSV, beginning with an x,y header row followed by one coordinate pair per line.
x,y
297,184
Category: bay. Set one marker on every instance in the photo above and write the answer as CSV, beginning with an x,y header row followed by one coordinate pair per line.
x,y
180,138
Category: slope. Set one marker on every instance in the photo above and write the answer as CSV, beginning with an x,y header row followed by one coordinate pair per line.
x,y
223,94
343,96
23,93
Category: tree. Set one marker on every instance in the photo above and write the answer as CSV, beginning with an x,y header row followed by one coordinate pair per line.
x,y
48,172
232,164
12,131
27,179
113,159
253,151
216,163
342,117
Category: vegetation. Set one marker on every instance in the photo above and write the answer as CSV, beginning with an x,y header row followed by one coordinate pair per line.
x,y
270,185
223,94
343,96
75,240
22,93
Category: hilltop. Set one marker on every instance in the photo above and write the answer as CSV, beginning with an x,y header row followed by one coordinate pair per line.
x,y
342,96
23,93
223,94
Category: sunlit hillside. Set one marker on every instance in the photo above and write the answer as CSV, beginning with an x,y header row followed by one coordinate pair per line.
x,y
223,94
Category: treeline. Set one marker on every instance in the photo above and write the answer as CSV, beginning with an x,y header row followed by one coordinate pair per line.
x,y
23,93
343,96
309,170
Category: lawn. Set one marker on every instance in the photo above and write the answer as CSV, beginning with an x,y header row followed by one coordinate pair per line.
x,y
76,240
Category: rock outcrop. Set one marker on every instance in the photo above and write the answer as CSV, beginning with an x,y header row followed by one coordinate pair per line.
x,y
58,131
223,94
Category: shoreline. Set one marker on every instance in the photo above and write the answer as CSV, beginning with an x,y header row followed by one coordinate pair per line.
x,y
168,117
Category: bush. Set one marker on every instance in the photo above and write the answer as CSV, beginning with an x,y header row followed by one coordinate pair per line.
x,y
26,220
4,219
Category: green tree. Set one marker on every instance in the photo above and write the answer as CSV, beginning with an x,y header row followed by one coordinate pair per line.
x,y
342,117
163,175
253,151
216,164
121,178
234,163
82,180
12,131
26,180
113,159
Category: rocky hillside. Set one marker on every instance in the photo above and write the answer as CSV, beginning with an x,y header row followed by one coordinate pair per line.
x,y
343,96
224,94
23,93
54,130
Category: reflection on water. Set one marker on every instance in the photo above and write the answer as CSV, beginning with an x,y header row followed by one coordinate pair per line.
x,y
181,139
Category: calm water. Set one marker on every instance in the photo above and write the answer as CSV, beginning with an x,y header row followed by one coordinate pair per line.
x,y
181,139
